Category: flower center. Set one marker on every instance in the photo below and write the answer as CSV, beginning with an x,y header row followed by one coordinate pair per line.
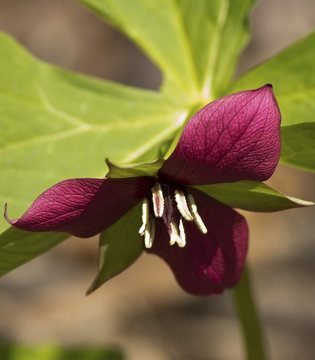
x,y
171,204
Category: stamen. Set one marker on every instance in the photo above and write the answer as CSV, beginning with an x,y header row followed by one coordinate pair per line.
x,y
157,200
182,235
182,205
173,233
145,216
193,208
149,233
175,236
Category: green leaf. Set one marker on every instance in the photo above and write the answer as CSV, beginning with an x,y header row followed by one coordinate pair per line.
x,y
252,196
18,246
120,246
49,352
216,32
297,146
134,170
196,44
157,28
292,74
56,125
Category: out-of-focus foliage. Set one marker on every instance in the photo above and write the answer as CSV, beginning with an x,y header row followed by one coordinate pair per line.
x,y
48,352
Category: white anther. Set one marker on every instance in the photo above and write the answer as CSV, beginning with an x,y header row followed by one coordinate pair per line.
x,y
149,233
182,235
182,205
157,200
177,234
145,216
193,208
174,235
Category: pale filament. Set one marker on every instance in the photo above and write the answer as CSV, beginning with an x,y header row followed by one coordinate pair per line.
x,y
157,200
148,225
194,211
177,235
182,205
149,233
145,216
182,234
173,233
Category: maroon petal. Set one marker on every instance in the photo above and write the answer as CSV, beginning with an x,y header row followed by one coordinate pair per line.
x,y
212,262
233,138
83,207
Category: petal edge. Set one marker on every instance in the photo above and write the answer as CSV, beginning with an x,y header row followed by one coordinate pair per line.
x,y
82,207
233,138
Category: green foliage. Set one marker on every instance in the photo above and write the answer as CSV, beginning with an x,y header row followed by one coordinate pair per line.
x,y
196,44
156,27
252,196
134,170
216,32
49,352
298,145
120,246
18,247
293,76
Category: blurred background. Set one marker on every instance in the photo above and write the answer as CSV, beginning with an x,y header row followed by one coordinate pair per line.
x,y
143,311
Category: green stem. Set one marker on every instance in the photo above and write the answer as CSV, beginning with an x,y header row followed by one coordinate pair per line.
x,y
248,318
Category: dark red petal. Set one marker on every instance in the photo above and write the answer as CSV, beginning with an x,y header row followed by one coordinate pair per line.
x,y
233,138
83,207
212,262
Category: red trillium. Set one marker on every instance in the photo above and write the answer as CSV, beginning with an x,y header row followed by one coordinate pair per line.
x,y
204,241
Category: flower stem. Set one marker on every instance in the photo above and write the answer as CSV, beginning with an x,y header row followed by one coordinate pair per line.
x,y
248,318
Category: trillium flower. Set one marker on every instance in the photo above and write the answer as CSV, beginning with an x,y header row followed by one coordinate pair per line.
x,y
204,241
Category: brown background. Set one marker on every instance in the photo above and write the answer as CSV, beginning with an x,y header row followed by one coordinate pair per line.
x,y
143,310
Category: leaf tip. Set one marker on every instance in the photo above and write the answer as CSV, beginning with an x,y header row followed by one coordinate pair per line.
x,y
300,202
94,286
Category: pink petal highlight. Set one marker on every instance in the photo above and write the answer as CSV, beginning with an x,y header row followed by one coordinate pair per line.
x,y
210,262
83,207
233,138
